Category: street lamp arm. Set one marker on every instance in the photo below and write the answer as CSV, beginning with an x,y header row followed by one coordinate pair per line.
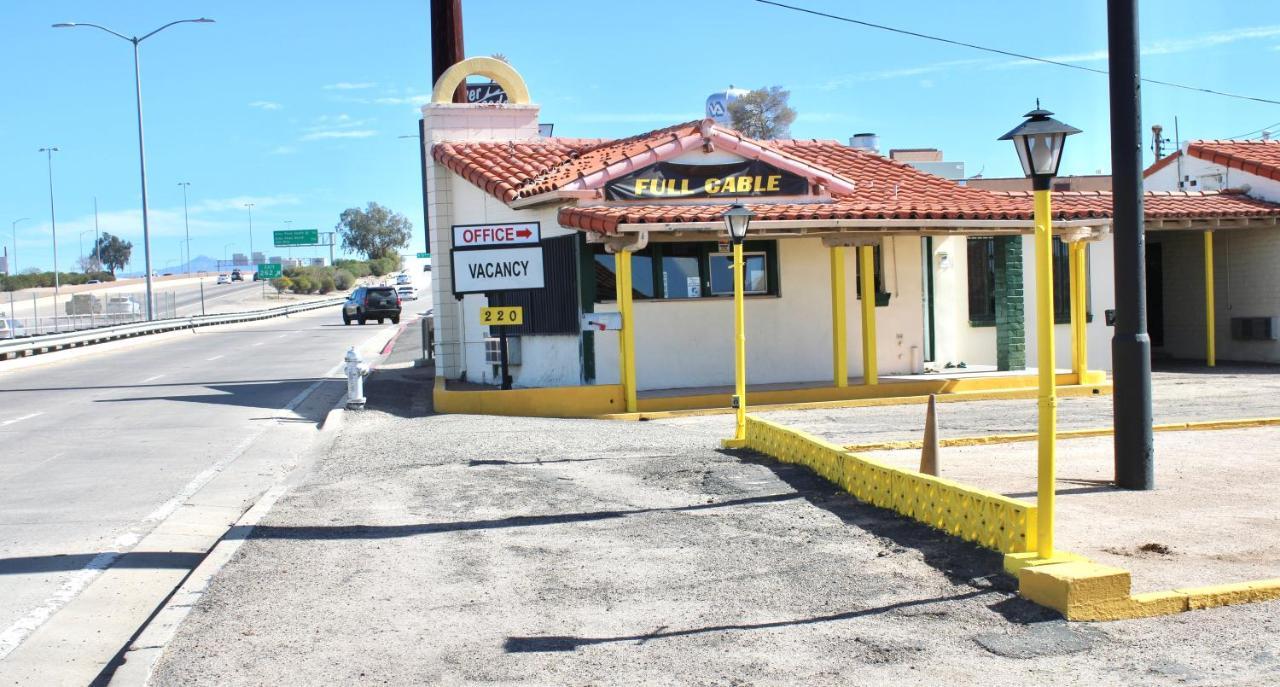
x,y
201,20
72,25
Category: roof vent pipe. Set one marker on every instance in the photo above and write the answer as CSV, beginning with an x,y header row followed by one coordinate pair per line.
x,y
868,141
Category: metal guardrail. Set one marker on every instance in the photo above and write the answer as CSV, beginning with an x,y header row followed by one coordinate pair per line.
x,y
18,348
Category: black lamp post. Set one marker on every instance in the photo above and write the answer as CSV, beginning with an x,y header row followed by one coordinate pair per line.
x,y
1039,142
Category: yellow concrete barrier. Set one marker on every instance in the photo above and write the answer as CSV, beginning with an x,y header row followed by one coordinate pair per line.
x,y
985,518
561,401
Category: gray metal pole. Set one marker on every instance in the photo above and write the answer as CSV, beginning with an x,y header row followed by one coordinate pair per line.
x,y
250,206
97,238
1131,345
142,166
186,224
53,224
13,227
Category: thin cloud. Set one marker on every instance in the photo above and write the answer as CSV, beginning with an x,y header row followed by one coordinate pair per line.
x,y
349,86
340,133
901,72
1171,47
266,105
417,100
633,117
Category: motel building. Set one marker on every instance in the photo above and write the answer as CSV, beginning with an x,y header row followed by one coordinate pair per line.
x,y
635,311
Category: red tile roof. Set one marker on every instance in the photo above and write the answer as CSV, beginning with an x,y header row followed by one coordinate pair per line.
x,y
1163,204
1068,205
877,187
1255,157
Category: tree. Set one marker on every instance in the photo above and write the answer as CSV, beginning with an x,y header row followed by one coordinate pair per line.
x,y
113,251
763,113
375,232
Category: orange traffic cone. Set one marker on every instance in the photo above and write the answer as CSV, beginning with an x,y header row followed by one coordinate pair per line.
x,y
929,452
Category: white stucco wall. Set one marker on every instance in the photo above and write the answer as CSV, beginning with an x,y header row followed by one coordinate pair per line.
x,y
957,341
684,343
1211,177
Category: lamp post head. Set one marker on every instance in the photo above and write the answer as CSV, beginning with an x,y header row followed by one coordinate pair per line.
x,y
736,220
1039,142
203,20
65,25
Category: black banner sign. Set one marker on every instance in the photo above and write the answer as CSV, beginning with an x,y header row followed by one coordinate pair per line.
x,y
666,180
485,93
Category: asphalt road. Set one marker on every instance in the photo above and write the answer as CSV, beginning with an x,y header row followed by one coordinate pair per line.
x,y
98,449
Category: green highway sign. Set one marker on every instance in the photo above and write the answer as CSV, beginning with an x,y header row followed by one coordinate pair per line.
x,y
268,270
424,255
297,237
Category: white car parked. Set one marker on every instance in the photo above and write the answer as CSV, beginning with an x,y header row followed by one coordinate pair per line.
x,y
11,328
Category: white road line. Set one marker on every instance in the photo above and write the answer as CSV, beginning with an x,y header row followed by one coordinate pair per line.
x,y
152,378
259,343
6,423
213,358
78,580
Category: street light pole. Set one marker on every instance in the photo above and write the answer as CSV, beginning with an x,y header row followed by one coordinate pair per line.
x,y
250,206
185,224
80,244
224,252
13,227
142,149
97,238
53,224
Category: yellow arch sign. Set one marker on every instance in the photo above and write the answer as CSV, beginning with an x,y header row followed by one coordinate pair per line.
x,y
501,72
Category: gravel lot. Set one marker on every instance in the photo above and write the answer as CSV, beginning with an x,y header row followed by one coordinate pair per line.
x,y
459,550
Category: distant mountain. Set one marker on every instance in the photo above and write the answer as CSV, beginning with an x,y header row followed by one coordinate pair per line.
x,y
201,263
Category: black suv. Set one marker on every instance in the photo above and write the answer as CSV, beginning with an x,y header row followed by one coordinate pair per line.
x,y
236,276
372,303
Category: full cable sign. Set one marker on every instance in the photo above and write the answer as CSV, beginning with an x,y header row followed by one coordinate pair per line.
x,y
666,180
497,257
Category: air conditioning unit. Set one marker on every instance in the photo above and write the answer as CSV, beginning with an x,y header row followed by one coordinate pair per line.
x,y
493,351
1255,328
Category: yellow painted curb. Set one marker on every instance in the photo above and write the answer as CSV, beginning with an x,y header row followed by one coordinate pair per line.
x,y
1066,434
949,397
1082,590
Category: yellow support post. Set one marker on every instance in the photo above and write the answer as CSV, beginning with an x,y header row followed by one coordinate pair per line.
x,y
1048,390
739,346
867,287
626,337
839,333
1211,353
1079,311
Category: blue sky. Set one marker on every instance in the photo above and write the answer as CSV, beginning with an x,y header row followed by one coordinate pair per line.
x,y
297,106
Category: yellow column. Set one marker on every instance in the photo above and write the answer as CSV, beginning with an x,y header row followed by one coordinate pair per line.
x,y
1079,310
867,287
839,333
1048,391
1211,353
739,345
626,337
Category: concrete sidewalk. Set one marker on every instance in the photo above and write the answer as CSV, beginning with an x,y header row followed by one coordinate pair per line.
x,y
429,549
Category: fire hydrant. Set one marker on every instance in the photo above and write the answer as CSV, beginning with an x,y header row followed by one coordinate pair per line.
x,y
356,372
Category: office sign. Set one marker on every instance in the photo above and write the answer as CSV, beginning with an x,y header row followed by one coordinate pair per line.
x,y
269,270
501,316
497,269
297,237
666,180
485,235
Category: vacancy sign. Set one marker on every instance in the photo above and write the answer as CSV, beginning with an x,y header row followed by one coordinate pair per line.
x,y
497,269
486,235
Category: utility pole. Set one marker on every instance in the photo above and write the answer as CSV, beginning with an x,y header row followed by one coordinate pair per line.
x,y
1130,345
446,41
185,223
97,238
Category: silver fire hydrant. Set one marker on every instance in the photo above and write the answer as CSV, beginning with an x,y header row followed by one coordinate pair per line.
x,y
356,372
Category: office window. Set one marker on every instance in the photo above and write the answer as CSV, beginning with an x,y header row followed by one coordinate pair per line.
x,y
721,273
685,271
882,296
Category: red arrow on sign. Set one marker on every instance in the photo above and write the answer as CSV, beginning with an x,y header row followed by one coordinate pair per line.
x,y
523,233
